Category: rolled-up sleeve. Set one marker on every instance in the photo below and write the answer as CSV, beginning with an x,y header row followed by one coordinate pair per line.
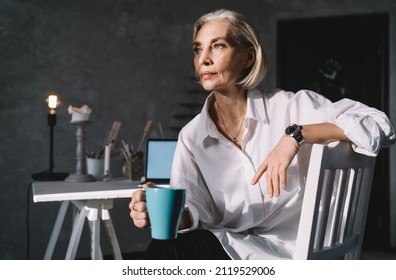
x,y
368,128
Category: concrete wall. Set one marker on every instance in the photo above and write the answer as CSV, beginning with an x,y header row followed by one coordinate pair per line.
x,y
130,61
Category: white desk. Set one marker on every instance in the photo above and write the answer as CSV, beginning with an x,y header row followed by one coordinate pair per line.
x,y
93,200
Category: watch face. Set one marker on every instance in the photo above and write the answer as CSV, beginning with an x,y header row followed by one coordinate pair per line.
x,y
291,130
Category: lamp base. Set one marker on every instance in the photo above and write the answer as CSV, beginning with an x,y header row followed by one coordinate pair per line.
x,y
80,178
49,176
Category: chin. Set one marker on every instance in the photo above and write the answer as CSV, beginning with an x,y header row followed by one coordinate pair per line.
x,y
208,86
208,89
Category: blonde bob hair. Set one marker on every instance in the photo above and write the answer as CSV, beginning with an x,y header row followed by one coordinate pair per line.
x,y
245,36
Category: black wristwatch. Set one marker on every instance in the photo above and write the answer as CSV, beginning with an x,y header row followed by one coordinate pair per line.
x,y
294,131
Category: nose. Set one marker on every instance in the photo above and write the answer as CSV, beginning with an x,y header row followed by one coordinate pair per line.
x,y
205,58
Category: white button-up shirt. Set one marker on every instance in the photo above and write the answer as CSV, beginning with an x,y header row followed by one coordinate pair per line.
x,y
217,174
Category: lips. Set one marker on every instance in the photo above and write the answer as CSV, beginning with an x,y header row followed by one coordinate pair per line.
x,y
206,75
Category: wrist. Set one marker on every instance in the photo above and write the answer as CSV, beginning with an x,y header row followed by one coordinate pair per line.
x,y
291,142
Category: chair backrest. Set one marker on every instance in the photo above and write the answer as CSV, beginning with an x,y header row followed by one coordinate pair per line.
x,y
335,203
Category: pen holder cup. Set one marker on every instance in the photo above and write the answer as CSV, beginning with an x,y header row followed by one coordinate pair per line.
x,y
95,167
134,169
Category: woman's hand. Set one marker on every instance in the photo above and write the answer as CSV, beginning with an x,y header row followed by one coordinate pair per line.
x,y
138,207
275,165
139,212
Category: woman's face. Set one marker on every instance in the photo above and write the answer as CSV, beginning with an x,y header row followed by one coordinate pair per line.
x,y
218,61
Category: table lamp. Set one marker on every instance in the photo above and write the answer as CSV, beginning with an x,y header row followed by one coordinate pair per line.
x,y
49,175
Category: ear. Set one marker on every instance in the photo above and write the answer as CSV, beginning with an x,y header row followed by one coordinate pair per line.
x,y
250,57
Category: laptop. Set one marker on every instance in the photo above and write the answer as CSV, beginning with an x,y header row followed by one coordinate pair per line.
x,y
159,158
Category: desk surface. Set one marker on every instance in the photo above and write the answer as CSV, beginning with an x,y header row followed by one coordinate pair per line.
x,y
61,190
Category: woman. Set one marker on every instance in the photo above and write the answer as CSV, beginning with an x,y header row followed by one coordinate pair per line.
x,y
240,157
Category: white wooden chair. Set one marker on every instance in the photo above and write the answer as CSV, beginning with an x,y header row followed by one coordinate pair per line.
x,y
335,203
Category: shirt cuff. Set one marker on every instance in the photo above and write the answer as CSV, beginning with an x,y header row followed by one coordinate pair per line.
x,y
363,133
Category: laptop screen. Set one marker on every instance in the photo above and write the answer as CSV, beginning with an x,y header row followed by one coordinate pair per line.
x,y
159,158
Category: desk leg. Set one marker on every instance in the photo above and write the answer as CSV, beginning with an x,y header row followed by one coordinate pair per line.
x,y
113,239
76,234
93,216
105,214
55,231
99,255
96,253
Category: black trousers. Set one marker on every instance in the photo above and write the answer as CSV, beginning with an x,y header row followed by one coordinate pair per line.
x,y
194,245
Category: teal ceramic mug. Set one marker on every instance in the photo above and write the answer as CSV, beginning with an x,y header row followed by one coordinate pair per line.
x,y
165,207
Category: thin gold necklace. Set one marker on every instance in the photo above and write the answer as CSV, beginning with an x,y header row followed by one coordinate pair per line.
x,y
233,139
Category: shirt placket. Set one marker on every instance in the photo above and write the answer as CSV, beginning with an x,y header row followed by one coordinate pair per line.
x,y
255,193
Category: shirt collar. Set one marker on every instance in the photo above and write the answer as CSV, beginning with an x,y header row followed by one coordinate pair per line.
x,y
255,110
255,106
206,126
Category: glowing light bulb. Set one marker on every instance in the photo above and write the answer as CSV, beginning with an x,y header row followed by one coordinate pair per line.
x,y
52,101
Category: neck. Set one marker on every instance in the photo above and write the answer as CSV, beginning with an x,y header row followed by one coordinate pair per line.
x,y
228,113
231,104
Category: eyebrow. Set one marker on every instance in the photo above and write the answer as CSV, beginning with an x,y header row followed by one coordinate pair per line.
x,y
195,43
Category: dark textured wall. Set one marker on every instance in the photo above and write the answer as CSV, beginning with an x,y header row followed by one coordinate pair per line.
x,y
129,61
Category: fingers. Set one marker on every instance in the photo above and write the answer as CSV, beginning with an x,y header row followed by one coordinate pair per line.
x,y
148,185
273,182
140,219
282,176
272,178
139,206
138,209
137,196
276,179
263,167
275,166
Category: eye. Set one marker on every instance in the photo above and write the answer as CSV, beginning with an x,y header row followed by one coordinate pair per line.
x,y
217,46
197,50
